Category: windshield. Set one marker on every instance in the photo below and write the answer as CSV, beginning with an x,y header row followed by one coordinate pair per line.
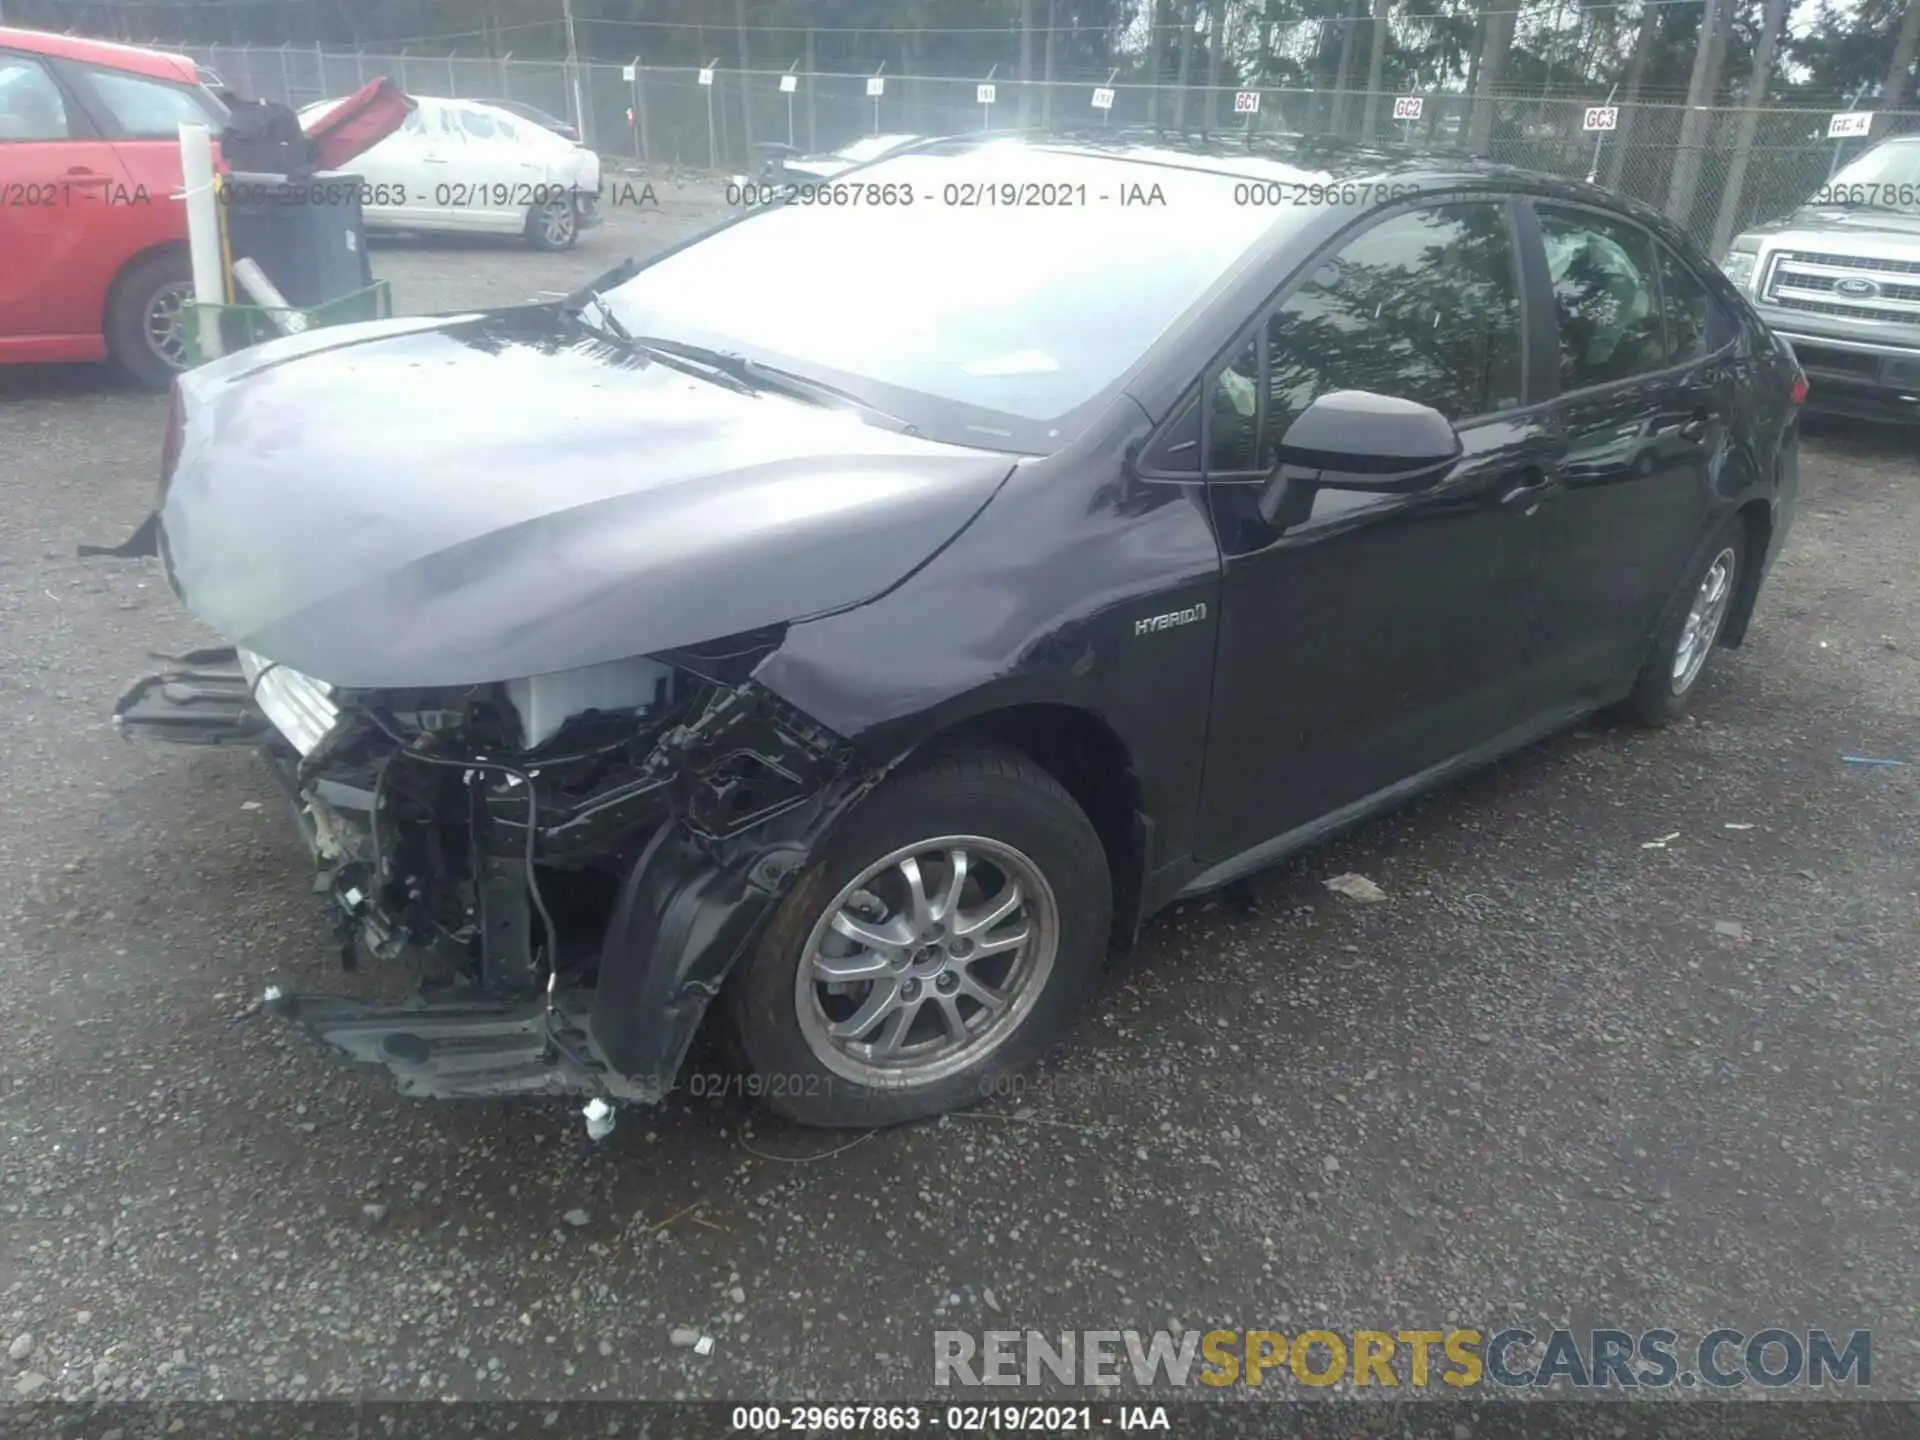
x,y
965,285
1887,177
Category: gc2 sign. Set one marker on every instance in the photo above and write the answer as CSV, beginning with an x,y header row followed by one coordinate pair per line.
x,y
1103,98
1601,117
1407,107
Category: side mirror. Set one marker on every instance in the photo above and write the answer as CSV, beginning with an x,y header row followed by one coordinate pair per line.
x,y
1356,440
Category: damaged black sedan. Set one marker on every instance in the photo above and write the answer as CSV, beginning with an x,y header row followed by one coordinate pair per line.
x,y
848,625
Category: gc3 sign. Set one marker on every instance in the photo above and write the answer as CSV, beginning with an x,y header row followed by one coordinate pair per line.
x,y
1601,117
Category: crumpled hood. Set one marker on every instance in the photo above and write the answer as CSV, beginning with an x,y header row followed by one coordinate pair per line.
x,y
456,501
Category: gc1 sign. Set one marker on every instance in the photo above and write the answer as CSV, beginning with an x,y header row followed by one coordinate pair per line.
x,y
1601,117
1103,98
1246,102
983,94
1407,107
1856,122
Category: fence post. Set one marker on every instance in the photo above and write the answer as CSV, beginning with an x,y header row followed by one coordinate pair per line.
x,y
286,78
359,66
713,154
642,146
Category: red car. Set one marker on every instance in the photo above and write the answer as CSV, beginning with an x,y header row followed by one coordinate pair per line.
x,y
93,236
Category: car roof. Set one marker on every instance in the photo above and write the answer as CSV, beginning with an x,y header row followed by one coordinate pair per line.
x,y
1280,156
137,59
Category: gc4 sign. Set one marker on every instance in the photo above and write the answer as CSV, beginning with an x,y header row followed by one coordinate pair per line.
x,y
706,77
1103,98
876,85
1246,102
789,84
983,94
1855,122
1601,117
1407,107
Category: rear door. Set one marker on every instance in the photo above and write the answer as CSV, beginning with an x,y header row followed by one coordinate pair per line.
x,y
62,240
142,115
1648,374
499,166
1365,638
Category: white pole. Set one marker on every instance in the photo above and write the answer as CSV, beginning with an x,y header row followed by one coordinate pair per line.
x,y
203,233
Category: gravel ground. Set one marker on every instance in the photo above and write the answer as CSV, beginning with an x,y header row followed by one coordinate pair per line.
x,y
1558,1077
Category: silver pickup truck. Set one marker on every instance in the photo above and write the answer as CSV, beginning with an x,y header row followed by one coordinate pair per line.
x,y
1839,279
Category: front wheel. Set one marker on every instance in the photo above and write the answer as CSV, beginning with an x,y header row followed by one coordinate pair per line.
x,y
949,934
1694,621
554,225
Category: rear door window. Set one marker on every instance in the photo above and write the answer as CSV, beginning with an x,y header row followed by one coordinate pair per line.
x,y
147,109
1605,295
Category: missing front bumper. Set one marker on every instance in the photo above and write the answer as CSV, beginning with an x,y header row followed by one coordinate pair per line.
x,y
726,810
463,1049
206,701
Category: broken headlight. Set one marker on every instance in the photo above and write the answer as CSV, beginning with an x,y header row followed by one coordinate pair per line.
x,y
300,707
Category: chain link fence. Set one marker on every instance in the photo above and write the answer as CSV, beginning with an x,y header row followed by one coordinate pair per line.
x,y
1730,168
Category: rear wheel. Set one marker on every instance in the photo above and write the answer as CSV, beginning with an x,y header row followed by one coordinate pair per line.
x,y
950,933
554,225
146,321
1695,620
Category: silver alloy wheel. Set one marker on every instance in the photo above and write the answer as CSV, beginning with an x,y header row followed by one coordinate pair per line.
x,y
165,323
556,222
1709,609
927,961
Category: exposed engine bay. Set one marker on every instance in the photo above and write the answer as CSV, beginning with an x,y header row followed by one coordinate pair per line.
x,y
577,858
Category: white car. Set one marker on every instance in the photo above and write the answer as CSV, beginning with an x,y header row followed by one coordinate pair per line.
x,y
460,165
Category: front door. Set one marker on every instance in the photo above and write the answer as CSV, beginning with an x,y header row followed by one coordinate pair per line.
x,y
62,206
1365,638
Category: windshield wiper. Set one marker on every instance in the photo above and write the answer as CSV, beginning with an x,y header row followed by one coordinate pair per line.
x,y
758,375
593,293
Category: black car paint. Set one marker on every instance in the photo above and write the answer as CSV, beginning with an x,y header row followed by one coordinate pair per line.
x,y
650,526
1026,590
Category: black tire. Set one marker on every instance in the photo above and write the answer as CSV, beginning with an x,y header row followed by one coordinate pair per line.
x,y
1659,697
554,226
134,295
991,794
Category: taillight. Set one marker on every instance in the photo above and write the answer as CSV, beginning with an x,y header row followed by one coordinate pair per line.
x,y
176,433
1799,392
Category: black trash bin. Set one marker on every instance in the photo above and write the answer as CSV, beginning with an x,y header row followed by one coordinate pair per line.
x,y
307,234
